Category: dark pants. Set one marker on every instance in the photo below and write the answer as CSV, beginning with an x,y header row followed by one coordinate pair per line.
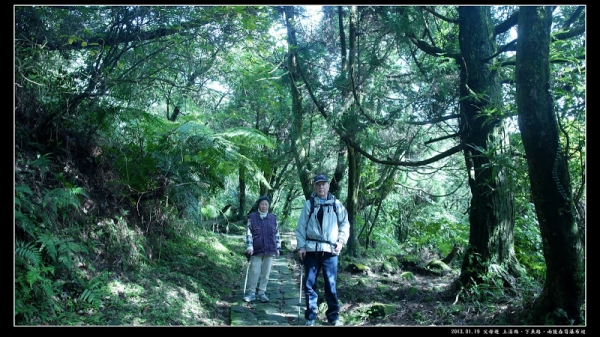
x,y
313,263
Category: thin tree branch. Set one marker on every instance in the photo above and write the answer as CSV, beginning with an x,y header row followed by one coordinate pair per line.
x,y
511,46
430,141
435,120
433,159
431,50
440,16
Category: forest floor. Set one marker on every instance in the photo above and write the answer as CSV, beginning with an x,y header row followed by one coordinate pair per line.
x,y
373,298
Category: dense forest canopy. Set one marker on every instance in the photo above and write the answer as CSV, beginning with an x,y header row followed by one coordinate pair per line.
x,y
439,127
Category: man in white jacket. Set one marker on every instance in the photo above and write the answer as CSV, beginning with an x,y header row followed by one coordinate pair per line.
x,y
320,234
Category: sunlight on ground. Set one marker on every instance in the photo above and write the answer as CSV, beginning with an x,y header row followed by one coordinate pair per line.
x,y
132,290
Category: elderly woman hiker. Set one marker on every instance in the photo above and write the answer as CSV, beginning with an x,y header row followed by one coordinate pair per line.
x,y
262,245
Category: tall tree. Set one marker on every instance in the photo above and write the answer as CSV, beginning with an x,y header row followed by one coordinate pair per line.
x,y
563,295
483,136
483,132
303,166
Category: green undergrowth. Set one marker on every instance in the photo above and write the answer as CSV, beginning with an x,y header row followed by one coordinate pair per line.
x,y
186,286
189,285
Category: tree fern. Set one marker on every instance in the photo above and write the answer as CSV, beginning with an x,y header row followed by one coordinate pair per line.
x,y
185,198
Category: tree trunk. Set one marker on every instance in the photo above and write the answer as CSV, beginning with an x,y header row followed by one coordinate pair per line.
x,y
563,296
242,187
352,202
297,144
491,213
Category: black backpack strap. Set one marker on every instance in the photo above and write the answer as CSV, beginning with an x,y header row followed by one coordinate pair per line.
x,y
312,209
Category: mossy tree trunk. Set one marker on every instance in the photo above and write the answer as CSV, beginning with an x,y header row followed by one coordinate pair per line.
x,y
352,202
297,144
563,295
242,187
491,213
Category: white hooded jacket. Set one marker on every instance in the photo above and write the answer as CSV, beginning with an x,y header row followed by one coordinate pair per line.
x,y
335,228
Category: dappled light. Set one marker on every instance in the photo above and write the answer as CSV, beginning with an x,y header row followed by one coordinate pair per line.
x,y
454,137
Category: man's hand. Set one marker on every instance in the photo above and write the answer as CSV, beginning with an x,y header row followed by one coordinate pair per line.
x,y
338,247
249,252
301,254
277,254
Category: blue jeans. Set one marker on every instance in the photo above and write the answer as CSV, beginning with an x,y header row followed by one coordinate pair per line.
x,y
313,263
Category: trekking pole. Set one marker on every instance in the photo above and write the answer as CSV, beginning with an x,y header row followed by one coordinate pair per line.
x,y
300,289
247,268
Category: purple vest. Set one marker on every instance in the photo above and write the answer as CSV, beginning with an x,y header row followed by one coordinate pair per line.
x,y
264,233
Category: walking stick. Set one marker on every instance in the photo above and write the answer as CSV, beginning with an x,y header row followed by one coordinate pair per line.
x,y
247,268
300,289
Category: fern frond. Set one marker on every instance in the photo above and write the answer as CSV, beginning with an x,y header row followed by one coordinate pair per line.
x,y
49,243
87,295
63,197
90,294
67,250
247,137
20,189
28,251
42,162
33,275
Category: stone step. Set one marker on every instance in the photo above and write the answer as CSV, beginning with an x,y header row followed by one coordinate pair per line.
x,y
285,306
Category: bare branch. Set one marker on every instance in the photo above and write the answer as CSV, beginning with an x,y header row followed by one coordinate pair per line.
x,y
431,50
435,120
430,141
569,34
507,24
573,17
433,159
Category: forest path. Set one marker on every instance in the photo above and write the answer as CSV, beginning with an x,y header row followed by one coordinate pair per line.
x,y
420,300
285,306
286,301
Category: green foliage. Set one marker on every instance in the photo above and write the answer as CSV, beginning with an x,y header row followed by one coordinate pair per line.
x,y
63,251
91,294
29,252
124,243
82,83
42,163
407,275
61,198
24,210
438,227
34,290
528,243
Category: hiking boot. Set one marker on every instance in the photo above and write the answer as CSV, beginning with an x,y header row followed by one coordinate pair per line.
x,y
337,323
250,297
310,322
262,297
